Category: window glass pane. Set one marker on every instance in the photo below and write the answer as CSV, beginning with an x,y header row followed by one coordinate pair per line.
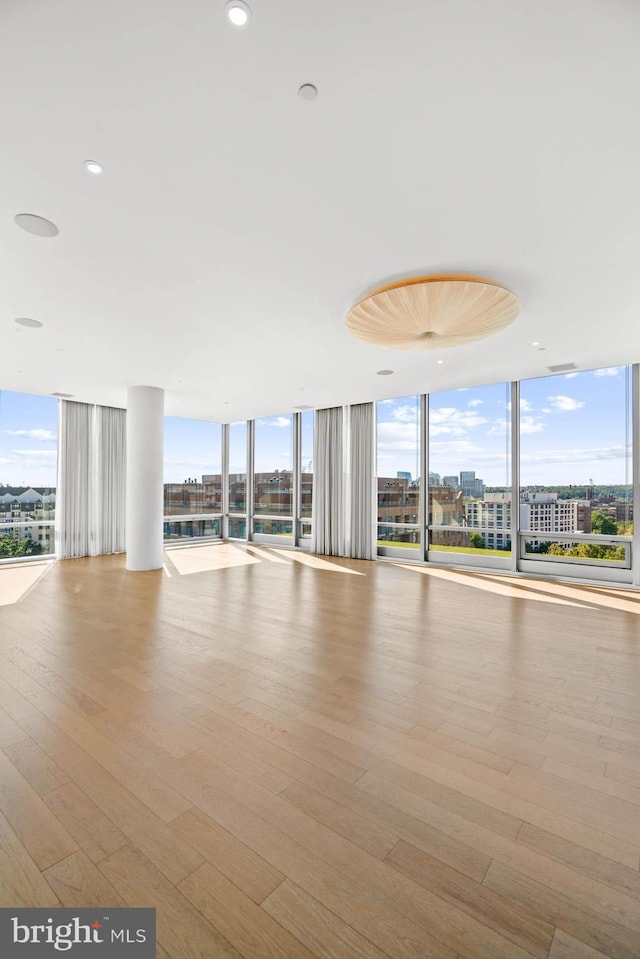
x,y
306,470
470,470
398,457
237,473
575,464
192,529
273,470
192,470
28,464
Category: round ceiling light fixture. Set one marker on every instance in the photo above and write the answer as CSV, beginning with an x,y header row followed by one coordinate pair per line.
x,y
93,167
28,322
385,372
238,13
308,92
432,312
35,224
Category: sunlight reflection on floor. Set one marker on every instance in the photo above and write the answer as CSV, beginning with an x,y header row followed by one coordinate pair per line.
x,y
16,581
316,562
202,559
538,590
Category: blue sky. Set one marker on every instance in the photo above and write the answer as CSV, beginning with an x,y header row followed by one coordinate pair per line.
x,y
28,439
573,430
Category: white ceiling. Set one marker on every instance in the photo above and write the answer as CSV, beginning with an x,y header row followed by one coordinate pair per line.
x,y
235,224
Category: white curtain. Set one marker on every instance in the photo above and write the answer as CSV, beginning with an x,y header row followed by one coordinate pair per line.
x,y
90,495
329,523
109,472
344,482
362,474
74,478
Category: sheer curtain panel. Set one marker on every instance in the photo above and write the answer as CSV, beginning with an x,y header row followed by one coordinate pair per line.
x,y
75,434
362,478
109,481
329,525
90,496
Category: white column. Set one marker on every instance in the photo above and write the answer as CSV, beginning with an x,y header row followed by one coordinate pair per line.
x,y
145,492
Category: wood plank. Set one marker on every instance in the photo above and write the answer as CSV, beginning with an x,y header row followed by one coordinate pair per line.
x,y
40,771
321,931
133,818
181,928
92,830
518,925
359,830
238,862
565,946
42,835
245,925
21,882
593,928
587,862
77,883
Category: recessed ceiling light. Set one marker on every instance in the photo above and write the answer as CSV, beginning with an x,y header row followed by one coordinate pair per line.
x,y
238,12
27,321
92,166
385,372
535,343
35,224
439,362
308,92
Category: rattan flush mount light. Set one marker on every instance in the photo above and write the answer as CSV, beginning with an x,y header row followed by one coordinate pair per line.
x,y
432,312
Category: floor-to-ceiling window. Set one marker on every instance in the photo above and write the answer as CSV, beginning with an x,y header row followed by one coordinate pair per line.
x,y
306,474
576,493
192,479
470,498
398,473
28,464
273,477
237,480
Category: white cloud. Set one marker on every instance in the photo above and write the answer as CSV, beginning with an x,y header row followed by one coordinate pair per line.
x,y
607,371
36,434
576,456
475,403
525,406
4,459
35,453
455,422
564,404
529,424
545,409
400,437
406,414
280,422
570,376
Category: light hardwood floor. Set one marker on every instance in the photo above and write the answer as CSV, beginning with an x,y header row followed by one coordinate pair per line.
x,y
291,756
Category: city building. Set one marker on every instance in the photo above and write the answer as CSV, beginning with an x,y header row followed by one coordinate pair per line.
x,y
27,516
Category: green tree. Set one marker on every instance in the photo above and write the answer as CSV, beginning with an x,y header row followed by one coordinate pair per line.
x,y
555,549
12,546
476,541
603,524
